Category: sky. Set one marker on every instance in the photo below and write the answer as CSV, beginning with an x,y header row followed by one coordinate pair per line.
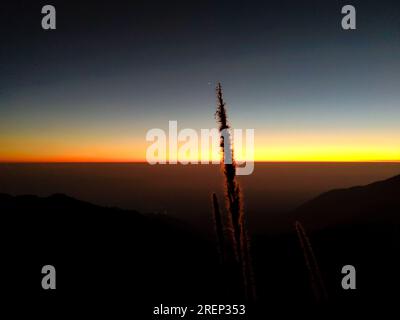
x,y
112,70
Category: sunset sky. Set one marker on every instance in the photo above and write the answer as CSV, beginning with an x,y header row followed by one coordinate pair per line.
x,y
90,90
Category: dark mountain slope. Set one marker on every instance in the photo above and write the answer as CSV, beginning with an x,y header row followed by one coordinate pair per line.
x,y
378,202
359,226
116,261
115,257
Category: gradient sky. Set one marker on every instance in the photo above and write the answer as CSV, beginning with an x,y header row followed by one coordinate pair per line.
x,y
112,70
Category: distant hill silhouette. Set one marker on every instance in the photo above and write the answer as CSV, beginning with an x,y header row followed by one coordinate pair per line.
x,y
128,262
378,202
358,226
112,255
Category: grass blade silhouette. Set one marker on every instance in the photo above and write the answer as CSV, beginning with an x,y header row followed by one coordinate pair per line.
x,y
219,228
236,220
317,283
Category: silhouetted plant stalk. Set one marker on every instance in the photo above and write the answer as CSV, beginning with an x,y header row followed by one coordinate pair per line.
x,y
219,229
317,283
230,270
236,220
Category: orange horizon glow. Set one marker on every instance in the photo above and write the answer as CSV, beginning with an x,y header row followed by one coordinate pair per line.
x,y
289,154
273,157
299,159
144,162
271,147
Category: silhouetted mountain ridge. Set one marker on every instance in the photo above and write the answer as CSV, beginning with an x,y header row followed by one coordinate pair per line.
x,y
111,252
378,202
56,199
125,258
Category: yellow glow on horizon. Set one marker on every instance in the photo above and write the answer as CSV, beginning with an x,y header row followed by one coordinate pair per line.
x,y
67,149
275,148
329,147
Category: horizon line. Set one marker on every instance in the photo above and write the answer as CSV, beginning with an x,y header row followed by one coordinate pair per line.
x,y
145,162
